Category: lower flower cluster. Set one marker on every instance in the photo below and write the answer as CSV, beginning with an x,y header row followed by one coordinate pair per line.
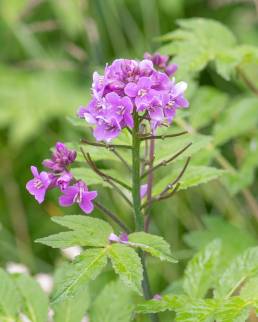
x,y
59,176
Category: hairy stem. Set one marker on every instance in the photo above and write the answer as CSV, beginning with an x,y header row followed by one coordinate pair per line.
x,y
136,180
149,185
139,222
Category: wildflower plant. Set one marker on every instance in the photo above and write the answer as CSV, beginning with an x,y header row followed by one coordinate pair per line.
x,y
133,96
132,113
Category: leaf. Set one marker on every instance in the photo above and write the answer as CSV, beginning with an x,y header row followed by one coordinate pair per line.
x,y
249,291
10,300
201,271
238,119
229,59
196,175
86,231
114,303
165,149
127,264
87,266
72,309
206,38
155,245
167,302
34,300
242,268
197,310
234,240
206,105
234,309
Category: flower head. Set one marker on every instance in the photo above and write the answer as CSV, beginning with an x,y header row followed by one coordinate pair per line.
x,y
78,193
61,158
131,85
39,184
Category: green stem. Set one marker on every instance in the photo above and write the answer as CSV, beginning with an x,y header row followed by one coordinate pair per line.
x,y
136,175
139,222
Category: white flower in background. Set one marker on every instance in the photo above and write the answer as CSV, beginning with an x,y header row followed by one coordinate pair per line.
x,y
45,281
85,319
71,252
24,318
16,268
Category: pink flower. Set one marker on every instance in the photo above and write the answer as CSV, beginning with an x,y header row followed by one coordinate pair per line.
x,y
78,193
39,184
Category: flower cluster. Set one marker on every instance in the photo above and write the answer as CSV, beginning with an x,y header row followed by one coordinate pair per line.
x,y
59,176
128,86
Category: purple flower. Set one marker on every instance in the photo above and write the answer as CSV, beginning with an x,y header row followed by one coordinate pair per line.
x,y
78,193
39,184
157,297
171,69
61,158
158,60
64,180
143,190
174,100
122,108
141,91
107,129
122,238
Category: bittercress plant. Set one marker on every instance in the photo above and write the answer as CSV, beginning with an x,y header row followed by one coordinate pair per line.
x,y
143,140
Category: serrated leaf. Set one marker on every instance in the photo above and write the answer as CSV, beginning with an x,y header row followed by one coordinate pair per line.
x,y
242,268
152,244
206,38
87,266
196,175
234,309
72,309
234,240
206,105
114,303
169,147
249,291
198,310
86,231
193,176
167,302
127,264
237,120
10,300
34,300
201,271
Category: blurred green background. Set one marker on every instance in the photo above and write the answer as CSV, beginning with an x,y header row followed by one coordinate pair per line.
x,y
49,49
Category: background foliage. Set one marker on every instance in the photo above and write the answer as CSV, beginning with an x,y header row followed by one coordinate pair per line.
x,y
49,51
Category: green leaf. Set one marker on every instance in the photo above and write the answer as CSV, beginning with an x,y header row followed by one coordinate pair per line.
x,y
10,300
206,38
165,149
127,264
193,176
206,105
242,268
201,271
168,302
196,175
249,291
229,59
89,176
238,119
234,240
114,303
155,245
72,309
197,310
234,309
34,300
86,231
87,266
